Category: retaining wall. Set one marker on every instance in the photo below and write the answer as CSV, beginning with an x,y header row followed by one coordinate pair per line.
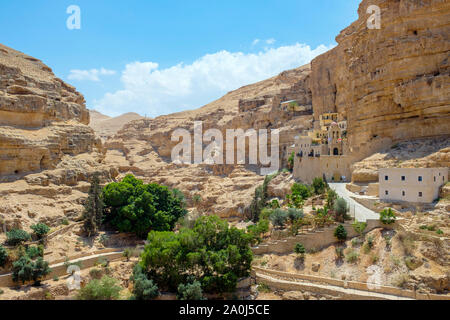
x,y
313,240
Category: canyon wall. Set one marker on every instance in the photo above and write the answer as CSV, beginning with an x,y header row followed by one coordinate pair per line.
x,y
41,117
392,83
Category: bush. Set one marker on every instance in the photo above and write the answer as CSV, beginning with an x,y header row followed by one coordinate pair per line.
x,y
340,233
104,289
3,256
26,269
300,250
132,206
257,230
352,256
339,253
17,236
35,251
319,186
341,209
96,273
301,190
387,216
359,227
279,217
291,160
40,230
143,289
331,198
190,291
294,214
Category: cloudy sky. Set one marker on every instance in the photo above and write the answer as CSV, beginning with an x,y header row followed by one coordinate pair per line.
x,y
158,57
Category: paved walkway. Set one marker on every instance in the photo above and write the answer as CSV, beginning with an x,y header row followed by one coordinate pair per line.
x,y
357,210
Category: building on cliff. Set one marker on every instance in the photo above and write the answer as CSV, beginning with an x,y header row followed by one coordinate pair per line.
x,y
323,152
417,185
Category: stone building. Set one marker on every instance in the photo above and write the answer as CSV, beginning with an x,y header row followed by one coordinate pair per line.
x,y
417,185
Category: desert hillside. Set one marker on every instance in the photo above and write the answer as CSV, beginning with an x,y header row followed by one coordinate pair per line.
x,y
106,126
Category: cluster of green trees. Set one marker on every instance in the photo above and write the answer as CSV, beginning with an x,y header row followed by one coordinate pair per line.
x,y
132,206
211,254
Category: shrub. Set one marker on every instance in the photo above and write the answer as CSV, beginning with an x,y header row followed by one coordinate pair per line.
x,y
291,161
3,256
262,287
143,289
352,256
95,273
127,254
40,230
331,198
132,206
196,199
294,214
35,251
65,222
17,236
339,253
387,216
300,250
104,289
26,269
319,186
401,280
300,190
359,227
440,232
190,291
278,217
375,259
369,244
412,263
274,204
340,233
341,209
257,230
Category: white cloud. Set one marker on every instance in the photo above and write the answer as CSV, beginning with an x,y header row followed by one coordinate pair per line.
x,y
89,75
270,41
153,91
255,42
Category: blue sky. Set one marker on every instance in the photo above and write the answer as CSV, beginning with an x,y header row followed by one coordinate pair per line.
x,y
157,57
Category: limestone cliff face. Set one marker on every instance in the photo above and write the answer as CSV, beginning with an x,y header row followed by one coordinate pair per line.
x,y
41,117
393,84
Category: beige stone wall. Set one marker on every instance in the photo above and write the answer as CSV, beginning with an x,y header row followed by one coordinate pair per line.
x,y
408,190
308,168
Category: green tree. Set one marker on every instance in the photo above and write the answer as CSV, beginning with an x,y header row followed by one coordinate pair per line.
x,y
291,161
257,230
341,209
104,289
190,291
259,200
3,256
132,206
40,230
359,227
25,269
387,216
319,186
294,214
340,233
300,190
143,288
213,253
300,250
17,236
278,217
93,208
331,198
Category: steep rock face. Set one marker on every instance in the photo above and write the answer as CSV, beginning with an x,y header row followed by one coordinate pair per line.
x,y
392,84
41,117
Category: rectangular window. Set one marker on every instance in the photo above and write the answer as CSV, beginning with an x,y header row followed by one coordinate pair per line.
x,y
420,194
420,178
403,193
386,178
386,192
434,179
403,178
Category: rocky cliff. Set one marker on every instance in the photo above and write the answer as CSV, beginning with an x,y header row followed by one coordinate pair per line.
x,y
41,117
392,83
